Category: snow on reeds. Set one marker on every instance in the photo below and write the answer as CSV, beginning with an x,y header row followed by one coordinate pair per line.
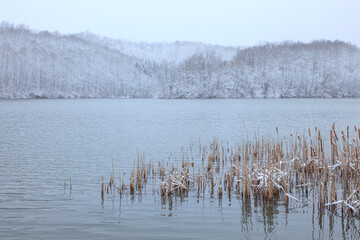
x,y
263,167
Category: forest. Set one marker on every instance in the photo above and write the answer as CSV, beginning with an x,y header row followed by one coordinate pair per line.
x,y
40,64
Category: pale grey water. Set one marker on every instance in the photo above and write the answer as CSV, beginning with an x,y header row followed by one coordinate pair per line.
x,y
43,140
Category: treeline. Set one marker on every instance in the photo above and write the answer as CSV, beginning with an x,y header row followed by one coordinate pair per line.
x,y
48,65
288,69
51,65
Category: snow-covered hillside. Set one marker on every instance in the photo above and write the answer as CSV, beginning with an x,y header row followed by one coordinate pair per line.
x,y
51,65
161,52
289,69
47,65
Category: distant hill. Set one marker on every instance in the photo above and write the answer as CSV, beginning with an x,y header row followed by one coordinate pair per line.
x,y
37,64
159,52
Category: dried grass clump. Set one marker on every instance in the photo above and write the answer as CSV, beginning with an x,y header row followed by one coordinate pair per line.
x,y
262,167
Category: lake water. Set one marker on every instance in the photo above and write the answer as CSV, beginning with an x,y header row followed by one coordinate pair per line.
x,y
43,141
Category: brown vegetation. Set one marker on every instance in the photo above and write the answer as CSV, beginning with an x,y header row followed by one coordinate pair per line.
x,y
262,167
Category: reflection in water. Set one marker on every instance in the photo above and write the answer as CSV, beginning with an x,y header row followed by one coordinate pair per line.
x,y
246,215
324,224
253,213
269,212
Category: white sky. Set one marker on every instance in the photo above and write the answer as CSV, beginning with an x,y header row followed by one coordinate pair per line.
x,y
225,22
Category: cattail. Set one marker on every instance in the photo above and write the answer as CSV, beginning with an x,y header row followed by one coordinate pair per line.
x,y
119,178
102,187
163,189
212,181
132,182
209,165
320,194
220,191
229,182
263,167
333,195
169,185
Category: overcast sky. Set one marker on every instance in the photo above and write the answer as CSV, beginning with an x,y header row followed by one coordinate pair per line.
x,y
225,22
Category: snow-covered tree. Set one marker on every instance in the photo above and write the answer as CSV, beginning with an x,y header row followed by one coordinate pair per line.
x,y
50,65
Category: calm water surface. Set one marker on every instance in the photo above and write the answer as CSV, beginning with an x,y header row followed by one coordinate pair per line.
x,y
43,141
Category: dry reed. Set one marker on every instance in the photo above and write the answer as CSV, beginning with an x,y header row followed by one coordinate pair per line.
x,y
268,168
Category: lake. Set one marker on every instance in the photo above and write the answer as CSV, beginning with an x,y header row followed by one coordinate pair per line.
x,y
43,142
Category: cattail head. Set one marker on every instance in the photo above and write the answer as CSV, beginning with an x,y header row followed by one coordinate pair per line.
x,y
331,137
